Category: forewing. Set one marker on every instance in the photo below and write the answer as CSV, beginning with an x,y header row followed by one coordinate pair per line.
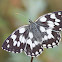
x,y
51,20
16,41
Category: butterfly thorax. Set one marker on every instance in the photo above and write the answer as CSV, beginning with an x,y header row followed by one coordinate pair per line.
x,y
35,31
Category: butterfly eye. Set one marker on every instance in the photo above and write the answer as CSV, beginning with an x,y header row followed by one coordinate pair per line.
x,y
30,21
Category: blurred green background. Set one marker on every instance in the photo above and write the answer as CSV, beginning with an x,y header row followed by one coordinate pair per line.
x,y
15,13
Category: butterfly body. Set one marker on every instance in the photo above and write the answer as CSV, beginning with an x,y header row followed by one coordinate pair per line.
x,y
33,27
33,38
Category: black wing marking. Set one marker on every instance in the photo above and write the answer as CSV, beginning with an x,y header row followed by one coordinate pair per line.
x,y
50,43
51,20
16,41
33,48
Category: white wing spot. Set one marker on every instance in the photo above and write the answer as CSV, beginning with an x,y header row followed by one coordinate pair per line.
x,y
15,42
60,28
58,38
36,43
33,45
13,36
40,50
44,45
57,20
45,37
43,19
23,40
7,41
53,16
9,51
50,36
36,52
13,52
48,31
8,46
29,42
16,52
59,13
49,45
20,38
57,41
42,39
21,50
29,55
49,22
2,47
56,23
51,25
18,44
21,30
42,29
31,35
53,43
32,53
6,50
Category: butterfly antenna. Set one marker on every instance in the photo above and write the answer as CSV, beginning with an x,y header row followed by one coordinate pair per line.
x,y
29,20
21,15
31,59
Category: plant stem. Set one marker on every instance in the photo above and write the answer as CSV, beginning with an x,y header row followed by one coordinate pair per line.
x,y
31,59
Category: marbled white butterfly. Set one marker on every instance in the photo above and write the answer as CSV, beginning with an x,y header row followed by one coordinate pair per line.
x,y
32,38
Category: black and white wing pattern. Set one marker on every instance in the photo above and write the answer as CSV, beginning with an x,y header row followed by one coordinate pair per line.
x,y
51,20
44,33
51,40
16,41
51,24
22,40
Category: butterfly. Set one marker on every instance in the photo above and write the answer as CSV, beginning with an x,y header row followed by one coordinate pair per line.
x,y
33,38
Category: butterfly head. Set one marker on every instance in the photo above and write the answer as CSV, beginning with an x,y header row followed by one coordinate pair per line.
x,y
30,21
